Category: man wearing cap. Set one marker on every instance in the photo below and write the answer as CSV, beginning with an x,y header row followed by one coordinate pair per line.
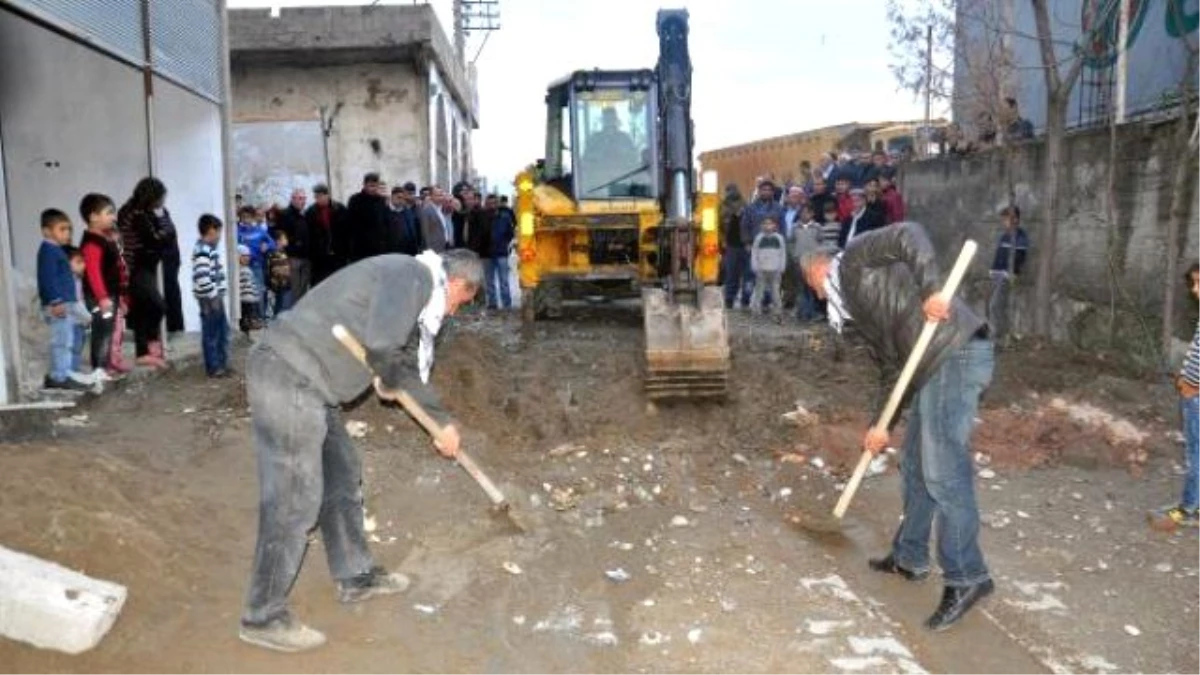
x,y
327,229
298,378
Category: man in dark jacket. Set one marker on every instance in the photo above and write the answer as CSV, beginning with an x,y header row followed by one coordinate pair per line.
x,y
326,220
299,245
477,225
298,376
495,265
368,220
888,282
735,256
404,234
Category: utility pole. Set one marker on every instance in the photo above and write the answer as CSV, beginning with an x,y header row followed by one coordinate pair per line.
x,y
925,134
460,31
1122,59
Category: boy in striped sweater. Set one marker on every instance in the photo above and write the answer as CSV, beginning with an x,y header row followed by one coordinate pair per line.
x,y
208,285
1187,382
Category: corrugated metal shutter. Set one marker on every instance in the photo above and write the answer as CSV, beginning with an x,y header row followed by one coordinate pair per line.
x,y
185,39
112,25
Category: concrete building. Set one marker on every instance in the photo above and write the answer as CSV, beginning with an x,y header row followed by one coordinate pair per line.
x,y
340,91
1141,76
93,97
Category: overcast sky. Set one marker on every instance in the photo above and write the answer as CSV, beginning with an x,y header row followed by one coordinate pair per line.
x,y
761,67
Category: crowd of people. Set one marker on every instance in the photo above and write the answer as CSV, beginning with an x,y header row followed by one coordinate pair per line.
x,y
832,203
93,292
291,248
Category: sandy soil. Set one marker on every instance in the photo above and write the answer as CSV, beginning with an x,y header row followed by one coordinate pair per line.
x,y
696,504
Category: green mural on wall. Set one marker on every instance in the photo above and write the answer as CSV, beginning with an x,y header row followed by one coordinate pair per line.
x,y
1102,26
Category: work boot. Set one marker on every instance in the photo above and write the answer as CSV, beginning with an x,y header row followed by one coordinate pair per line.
x,y
283,634
889,565
956,602
378,581
1171,517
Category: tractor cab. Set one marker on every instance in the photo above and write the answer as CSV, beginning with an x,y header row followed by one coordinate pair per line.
x,y
601,139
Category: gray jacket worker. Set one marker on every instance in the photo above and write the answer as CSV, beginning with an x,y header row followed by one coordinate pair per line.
x,y
888,283
297,378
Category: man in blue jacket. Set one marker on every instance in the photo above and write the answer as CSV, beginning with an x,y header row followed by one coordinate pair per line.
x,y
1006,266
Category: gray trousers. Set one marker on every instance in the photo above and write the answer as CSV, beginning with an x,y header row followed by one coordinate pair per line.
x,y
997,307
301,277
310,474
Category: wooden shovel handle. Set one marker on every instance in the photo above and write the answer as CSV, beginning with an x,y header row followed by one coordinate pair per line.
x,y
418,413
906,375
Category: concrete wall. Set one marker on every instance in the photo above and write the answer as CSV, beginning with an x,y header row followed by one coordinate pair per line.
x,y
73,120
381,126
188,158
957,198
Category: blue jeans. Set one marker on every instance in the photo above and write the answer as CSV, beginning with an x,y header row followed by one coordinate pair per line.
x,y
739,280
1191,436
309,473
260,279
62,345
283,302
214,334
938,470
495,274
807,308
78,339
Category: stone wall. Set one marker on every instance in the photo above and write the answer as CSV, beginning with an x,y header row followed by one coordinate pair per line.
x,y
381,123
1109,283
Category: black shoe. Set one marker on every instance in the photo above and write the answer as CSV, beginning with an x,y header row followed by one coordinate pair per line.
x,y
956,602
889,565
378,581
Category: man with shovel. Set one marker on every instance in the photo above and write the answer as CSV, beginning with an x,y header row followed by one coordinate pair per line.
x,y
888,282
297,378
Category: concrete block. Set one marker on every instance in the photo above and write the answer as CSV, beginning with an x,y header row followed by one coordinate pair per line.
x,y
52,607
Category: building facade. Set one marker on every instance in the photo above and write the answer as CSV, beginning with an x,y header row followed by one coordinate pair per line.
x,y
95,96
781,156
997,56
331,93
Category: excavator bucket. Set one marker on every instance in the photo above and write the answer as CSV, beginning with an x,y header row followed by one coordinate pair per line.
x,y
687,345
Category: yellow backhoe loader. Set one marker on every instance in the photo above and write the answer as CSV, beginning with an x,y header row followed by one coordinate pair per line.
x,y
614,210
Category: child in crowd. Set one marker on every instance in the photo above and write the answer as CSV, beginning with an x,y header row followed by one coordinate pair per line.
x,y
208,285
1186,512
56,291
81,318
807,236
831,231
279,272
105,281
248,293
252,233
768,257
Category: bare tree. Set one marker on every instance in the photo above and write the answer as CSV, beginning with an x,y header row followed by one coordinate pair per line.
x,y
1060,77
911,66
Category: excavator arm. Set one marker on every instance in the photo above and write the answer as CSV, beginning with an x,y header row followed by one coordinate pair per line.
x,y
687,344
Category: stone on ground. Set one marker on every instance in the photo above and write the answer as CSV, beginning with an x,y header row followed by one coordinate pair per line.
x,y
52,607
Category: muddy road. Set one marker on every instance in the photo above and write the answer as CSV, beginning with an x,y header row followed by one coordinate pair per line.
x,y
662,541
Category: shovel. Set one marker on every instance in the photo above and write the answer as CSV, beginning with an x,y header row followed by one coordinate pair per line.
x,y
906,375
499,503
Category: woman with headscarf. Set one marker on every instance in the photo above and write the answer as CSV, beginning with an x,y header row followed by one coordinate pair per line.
x,y
144,241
